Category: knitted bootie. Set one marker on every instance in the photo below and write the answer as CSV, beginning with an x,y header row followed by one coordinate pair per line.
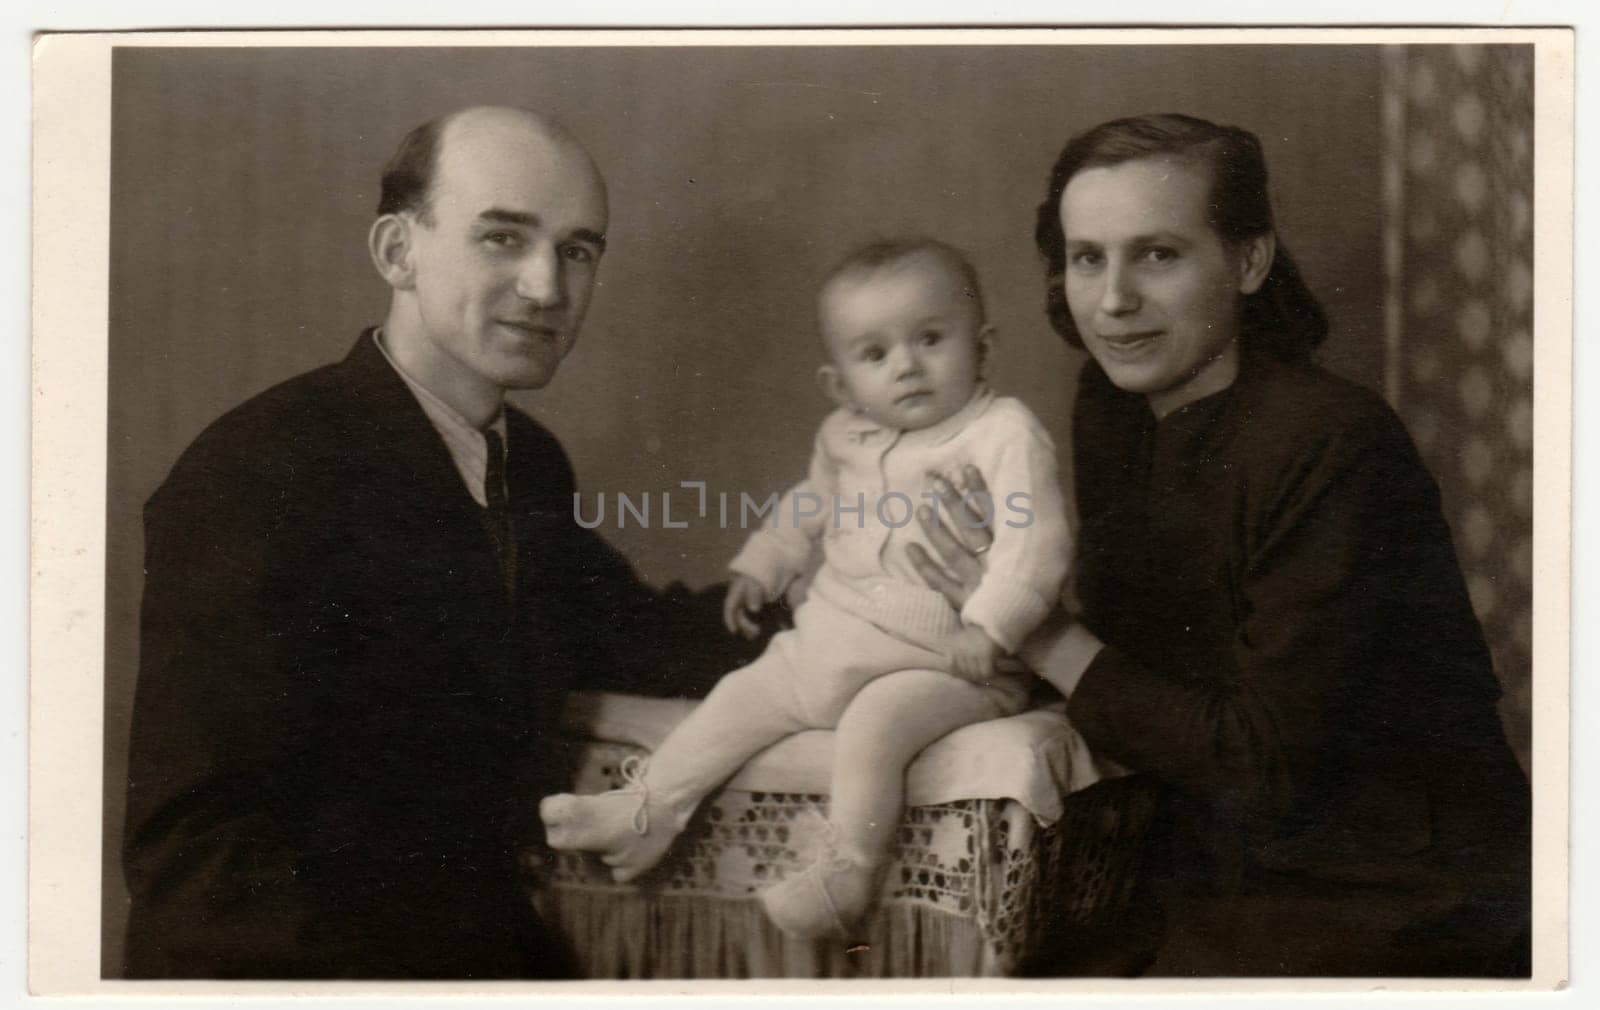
x,y
827,899
628,828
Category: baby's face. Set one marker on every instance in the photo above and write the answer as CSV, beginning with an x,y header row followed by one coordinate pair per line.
x,y
904,341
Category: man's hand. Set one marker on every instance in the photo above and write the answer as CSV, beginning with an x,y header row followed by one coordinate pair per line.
x,y
745,599
960,533
974,653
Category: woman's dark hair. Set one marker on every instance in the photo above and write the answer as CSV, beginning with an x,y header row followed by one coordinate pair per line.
x,y
1282,316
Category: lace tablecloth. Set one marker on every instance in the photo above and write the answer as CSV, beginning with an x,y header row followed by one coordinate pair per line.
x,y
977,886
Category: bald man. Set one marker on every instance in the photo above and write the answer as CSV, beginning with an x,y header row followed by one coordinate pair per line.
x,y
365,598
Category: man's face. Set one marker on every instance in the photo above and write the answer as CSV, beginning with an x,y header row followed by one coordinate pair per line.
x,y
505,260
1153,289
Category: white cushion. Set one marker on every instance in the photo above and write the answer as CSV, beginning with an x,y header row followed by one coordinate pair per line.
x,y
1035,758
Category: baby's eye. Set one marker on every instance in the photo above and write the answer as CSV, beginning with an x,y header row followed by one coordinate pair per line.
x,y
930,337
872,354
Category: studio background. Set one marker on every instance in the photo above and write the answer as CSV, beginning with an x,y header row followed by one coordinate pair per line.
x,y
244,181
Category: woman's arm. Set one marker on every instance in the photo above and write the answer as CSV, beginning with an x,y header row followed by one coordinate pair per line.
x,y
1346,550
1060,649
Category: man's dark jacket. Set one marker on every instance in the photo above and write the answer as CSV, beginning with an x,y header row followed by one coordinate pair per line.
x,y
342,725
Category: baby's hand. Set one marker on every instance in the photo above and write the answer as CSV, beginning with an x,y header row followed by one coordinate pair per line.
x,y
974,653
745,597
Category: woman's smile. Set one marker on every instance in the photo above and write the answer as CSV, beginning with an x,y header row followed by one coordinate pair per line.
x,y
1129,345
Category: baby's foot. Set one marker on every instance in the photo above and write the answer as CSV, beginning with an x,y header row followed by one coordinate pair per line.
x,y
828,899
629,831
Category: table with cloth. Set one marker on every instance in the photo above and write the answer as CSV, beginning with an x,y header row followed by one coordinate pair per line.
x,y
1004,849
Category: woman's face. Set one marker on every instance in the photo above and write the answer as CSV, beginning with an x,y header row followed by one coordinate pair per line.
x,y
1153,289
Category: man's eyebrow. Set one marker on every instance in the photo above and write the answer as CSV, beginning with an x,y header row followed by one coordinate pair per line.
x,y
592,237
500,215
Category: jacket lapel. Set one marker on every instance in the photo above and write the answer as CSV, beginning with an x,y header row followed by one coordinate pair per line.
x,y
405,458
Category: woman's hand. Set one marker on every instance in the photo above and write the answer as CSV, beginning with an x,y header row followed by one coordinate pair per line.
x,y
745,598
1060,650
960,540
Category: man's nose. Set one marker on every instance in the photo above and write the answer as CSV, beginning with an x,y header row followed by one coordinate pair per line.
x,y
1120,294
539,277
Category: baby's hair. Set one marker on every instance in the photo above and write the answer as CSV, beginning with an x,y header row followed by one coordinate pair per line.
x,y
884,252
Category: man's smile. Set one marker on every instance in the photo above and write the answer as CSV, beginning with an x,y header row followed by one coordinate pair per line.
x,y
531,328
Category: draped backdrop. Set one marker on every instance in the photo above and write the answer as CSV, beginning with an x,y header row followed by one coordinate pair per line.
x,y
1458,221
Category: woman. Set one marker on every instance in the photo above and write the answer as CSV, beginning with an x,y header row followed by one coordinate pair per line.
x,y
1274,627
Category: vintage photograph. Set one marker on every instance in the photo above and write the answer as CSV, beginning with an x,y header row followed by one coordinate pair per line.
x,y
839,509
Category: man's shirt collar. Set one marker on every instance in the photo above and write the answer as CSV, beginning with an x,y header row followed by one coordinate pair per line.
x,y
468,448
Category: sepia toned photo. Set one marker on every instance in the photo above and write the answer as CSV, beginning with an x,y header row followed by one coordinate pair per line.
x,y
845,506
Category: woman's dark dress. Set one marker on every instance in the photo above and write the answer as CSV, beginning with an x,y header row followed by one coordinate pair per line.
x,y
1292,656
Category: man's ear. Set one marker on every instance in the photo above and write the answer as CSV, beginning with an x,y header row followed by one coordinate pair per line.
x,y
833,386
389,242
1255,261
986,338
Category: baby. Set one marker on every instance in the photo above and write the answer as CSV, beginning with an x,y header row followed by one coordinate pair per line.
x,y
874,652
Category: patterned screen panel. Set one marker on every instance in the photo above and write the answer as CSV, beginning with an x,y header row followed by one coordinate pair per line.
x,y
1458,189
